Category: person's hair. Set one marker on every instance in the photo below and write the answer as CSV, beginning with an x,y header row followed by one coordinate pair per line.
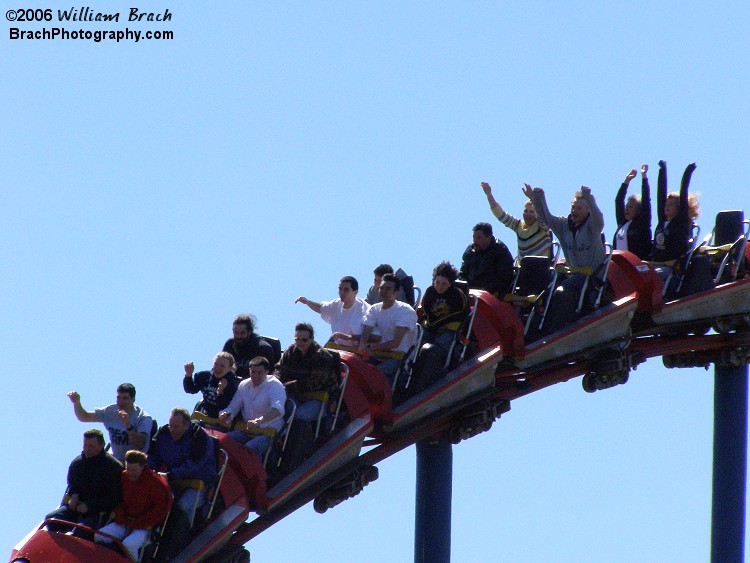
x,y
529,203
352,281
182,413
261,361
446,270
693,205
128,388
307,327
247,320
94,433
225,356
383,269
486,228
135,456
391,278
635,198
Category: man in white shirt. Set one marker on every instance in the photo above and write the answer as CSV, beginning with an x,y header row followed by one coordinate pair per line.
x,y
345,314
397,323
260,401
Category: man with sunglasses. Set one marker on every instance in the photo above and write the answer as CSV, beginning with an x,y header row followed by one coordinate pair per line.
x,y
344,314
308,371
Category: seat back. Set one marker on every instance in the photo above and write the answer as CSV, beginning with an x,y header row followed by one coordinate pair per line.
x,y
212,493
728,227
333,404
275,345
282,438
534,275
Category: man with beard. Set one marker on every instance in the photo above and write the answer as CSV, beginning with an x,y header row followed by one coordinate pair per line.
x,y
246,345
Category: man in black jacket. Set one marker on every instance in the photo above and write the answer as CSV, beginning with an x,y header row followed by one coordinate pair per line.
x,y
487,263
93,484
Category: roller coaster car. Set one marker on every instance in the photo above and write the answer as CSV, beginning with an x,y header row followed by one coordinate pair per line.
x,y
716,286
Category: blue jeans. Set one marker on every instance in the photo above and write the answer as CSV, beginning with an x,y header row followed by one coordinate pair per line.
x,y
256,444
308,411
188,498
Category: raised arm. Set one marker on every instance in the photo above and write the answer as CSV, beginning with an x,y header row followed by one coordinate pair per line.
x,y
555,223
81,414
490,198
645,196
597,217
312,304
684,189
661,192
620,198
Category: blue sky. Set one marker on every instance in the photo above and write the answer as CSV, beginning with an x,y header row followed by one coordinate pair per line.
x,y
152,191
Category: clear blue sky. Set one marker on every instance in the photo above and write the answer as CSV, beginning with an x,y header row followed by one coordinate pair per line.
x,y
152,191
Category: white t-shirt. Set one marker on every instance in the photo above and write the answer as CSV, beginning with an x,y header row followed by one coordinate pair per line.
x,y
399,314
348,321
621,237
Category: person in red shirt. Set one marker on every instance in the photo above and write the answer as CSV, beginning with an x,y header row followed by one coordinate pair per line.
x,y
146,501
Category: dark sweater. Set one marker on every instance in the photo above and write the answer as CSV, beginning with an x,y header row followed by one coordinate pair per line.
x,y
639,231
671,238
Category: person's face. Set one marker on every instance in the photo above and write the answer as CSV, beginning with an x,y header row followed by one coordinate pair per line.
x,y
631,210
529,213
124,401
133,470
91,447
302,340
240,332
346,293
222,366
441,284
376,281
387,292
481,241
177,427
258,375
579,210
671,207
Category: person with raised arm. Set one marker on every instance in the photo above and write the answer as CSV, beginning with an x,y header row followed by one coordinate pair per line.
x,y
344,314
129,426
634,217
580,235
677,213
218,386
533,235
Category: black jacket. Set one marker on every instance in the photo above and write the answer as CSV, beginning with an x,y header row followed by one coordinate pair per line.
x,y
490,269
96,480
639,231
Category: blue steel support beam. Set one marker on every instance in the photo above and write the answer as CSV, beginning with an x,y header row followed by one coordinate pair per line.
x,y
730,464
432,523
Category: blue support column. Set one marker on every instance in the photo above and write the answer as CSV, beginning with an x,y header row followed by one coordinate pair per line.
x,y
730,464
432,523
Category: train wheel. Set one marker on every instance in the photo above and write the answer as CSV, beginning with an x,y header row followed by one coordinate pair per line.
x,y
320,505
589,382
